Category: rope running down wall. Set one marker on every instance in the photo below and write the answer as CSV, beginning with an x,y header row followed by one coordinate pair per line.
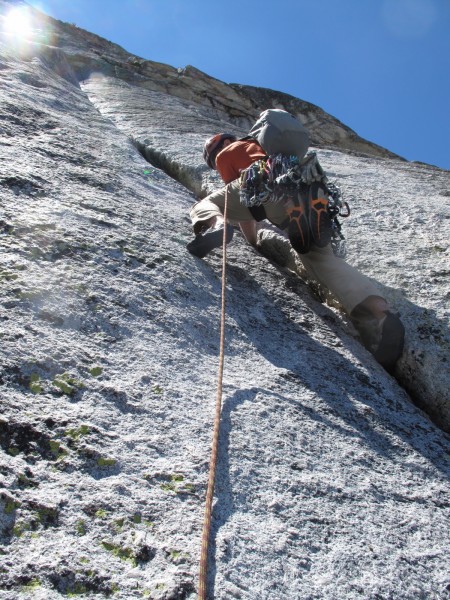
x,y
202,588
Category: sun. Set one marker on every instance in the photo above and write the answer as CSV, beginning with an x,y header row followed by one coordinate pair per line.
x,y
18,22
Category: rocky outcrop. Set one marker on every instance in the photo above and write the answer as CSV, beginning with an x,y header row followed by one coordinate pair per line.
x,y
331,483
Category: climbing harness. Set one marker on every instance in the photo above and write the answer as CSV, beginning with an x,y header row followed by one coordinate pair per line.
x,y
202,588
278,178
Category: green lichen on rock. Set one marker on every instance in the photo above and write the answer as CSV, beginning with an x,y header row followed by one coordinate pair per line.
x,y
54,446
68,384
78,589
119,523
32,585
177,556
20,528
169,487
47,515
106,462
24,481
11,505
123,553
175,483
58,450
35,384
81,527
75,434
95,371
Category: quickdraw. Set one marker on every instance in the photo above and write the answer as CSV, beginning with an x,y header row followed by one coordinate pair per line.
x,y
273,179
336,206
268,179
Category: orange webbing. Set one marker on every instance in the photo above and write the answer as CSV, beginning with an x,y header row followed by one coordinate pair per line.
x,y
215,441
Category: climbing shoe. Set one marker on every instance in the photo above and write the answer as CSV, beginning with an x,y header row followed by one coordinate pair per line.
x,y
391,343
204,242
319,218
298,229
384,338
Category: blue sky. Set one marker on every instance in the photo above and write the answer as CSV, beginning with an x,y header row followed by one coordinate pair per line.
x,y
382,67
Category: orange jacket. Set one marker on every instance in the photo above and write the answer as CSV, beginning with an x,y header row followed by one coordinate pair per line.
x,y
236,157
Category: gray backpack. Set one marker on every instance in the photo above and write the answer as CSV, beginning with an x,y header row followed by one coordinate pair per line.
x,y
277,131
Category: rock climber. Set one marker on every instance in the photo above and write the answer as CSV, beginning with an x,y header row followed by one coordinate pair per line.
x,y
379,326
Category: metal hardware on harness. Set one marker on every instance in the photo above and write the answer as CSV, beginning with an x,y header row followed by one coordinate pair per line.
x,y
276,177
202,587
335,206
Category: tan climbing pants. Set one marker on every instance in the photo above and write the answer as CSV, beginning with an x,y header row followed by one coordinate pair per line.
x,y
345,282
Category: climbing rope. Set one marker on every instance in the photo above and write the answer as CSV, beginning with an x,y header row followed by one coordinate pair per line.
x,y
215,440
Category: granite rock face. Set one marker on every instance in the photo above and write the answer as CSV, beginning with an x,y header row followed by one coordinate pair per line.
x,y
331,482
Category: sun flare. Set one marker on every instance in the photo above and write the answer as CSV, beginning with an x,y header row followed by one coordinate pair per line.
x,y
18,22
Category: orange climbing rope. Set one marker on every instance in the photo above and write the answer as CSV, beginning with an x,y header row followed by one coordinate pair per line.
x,y
202,587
